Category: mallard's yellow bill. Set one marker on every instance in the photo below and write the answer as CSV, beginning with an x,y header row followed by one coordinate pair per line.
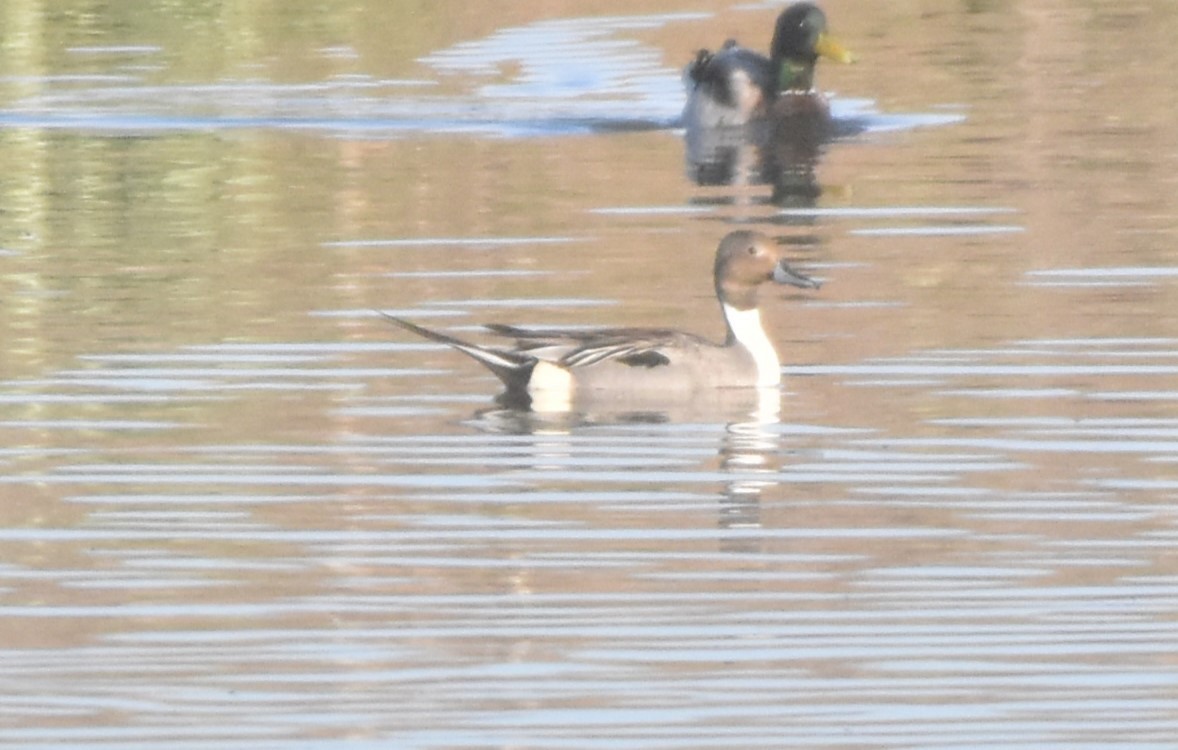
x,y
832,49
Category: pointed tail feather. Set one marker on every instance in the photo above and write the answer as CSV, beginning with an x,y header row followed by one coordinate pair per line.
x,y
512,368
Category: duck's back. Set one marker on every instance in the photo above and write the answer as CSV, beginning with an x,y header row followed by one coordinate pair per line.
x,y
728,87
690,366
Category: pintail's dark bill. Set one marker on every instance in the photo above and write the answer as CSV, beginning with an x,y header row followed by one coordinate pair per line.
x,y
783,274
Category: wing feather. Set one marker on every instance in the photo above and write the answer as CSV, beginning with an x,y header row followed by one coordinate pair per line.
x,y
635,347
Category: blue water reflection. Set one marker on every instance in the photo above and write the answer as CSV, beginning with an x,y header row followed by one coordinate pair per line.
x,y
571,76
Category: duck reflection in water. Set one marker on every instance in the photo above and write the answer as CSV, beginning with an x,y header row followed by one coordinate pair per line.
x,y
740,428
752,119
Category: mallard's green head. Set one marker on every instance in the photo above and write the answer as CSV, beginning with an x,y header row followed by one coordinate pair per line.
x,y
799,39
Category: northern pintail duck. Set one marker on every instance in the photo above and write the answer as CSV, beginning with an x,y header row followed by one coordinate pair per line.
x,y
735,86
549,369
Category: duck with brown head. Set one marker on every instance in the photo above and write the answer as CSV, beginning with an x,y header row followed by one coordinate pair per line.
x,y
547,367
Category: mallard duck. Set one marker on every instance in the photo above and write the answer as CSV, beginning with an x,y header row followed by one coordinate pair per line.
x,y
735,86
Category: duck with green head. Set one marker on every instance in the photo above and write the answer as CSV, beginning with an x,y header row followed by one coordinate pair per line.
x,y
735,86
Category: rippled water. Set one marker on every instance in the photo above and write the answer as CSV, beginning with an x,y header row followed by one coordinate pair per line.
x,y
239,509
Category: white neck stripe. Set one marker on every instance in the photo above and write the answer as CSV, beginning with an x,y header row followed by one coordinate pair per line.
x,y
746,328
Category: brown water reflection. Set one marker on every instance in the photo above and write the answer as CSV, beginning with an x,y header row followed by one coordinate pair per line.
x,y
235,508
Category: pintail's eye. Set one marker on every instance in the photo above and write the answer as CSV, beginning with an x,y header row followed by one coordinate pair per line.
x,y
752,250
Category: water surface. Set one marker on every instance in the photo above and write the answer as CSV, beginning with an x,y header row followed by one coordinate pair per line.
x,y
240,509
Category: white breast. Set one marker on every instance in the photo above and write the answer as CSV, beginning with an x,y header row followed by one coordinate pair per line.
x,y
746,326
